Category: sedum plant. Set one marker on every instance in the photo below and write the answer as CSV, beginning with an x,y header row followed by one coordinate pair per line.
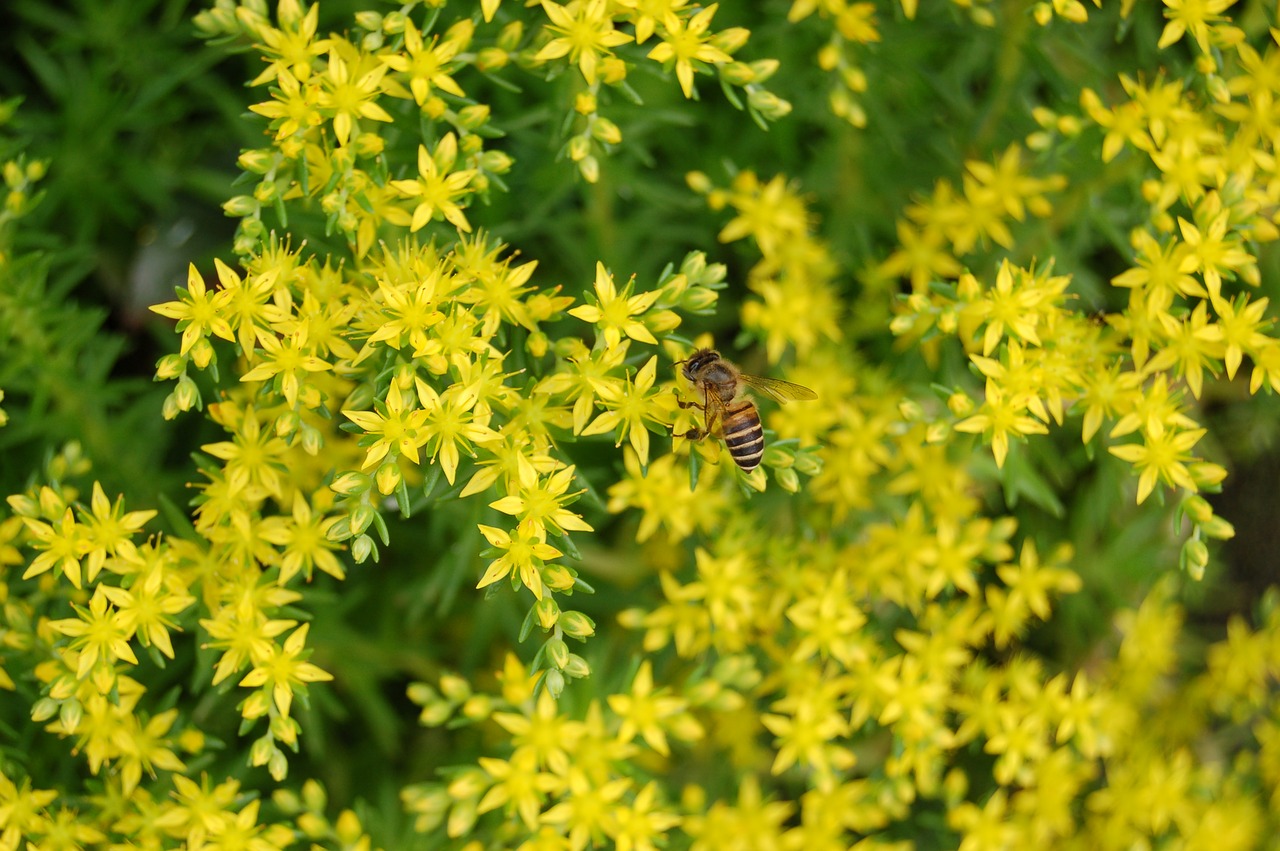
x,y
446,451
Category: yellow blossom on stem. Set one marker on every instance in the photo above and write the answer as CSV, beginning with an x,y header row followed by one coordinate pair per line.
x,y
293,46
426,67
923,255
147,607
1162,272
99,634
62,546
253,456
641,825
284,669
541,502
304,537
409,310
632,407
1213,250
1000,418
1194,346
198,312
1163,455
248,304
614,312
1106,394
244,634
519,785
1242,323
1125,123
438,187
546,730
585,808
650,713
522,555
590,374
146,747
451,423
284,361
772,214
1192,16
108,529
293,107
395,424
583,31
347,100
685,43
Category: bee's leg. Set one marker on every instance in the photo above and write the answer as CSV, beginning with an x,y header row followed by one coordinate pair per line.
x,y
693,433
712,425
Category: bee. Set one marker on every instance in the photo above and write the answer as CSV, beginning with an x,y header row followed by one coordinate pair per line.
x,y
733,419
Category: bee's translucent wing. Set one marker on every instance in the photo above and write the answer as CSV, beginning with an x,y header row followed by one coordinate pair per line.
x,y
779,390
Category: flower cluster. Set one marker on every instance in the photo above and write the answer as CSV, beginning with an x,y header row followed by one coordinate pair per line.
x,y
1190,313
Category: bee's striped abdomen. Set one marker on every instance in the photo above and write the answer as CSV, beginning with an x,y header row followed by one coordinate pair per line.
x,y
743,434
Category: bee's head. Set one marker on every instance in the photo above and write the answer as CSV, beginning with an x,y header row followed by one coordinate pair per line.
x,y
693,364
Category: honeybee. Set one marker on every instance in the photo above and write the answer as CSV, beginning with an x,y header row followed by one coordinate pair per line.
x,y
734,420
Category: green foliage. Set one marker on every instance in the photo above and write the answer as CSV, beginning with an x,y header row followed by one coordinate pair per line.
x,y
451,567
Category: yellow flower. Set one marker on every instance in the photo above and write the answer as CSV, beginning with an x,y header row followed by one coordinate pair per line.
x,y
1162,455
1162,272
284,360
199,314
244,634
452,424
584,32
426,66
922,257
254,455
522,555
247,305
650,713
585,808
1213,250
293,107
1242,323
541,502
1001,418
544,729
146,607
633,408
438,187
1194,345
615,312
396,425
293,46
347,100
304,538
99,634
243,831
23,808
1124,123
773,215
662,492
63,546
639,823
519,784
685,43
590,373
144,747
284,670
1193,16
